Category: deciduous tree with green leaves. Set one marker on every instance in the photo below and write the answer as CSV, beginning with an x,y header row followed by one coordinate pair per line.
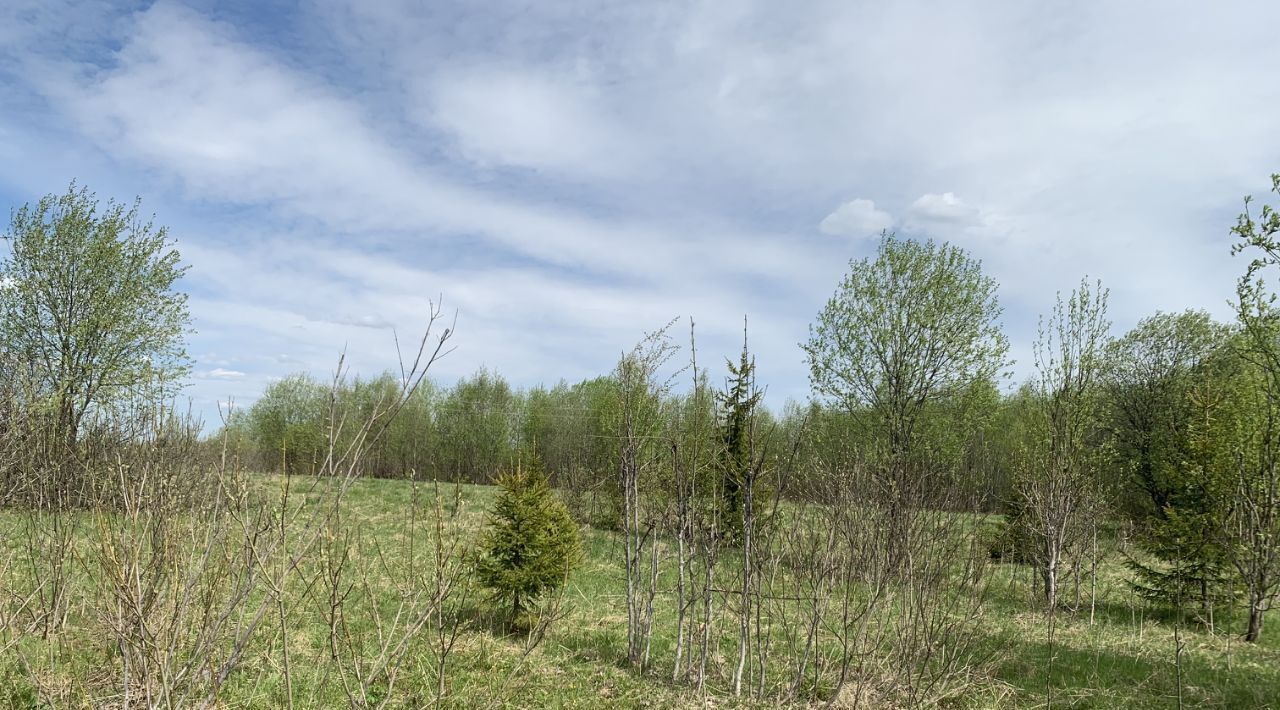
x,y
915,326
1058,483
1253,521
1149,375
288,423
1235,437
89,305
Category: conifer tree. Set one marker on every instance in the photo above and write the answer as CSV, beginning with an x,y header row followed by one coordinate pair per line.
x,y
738,405
1163,382
531,543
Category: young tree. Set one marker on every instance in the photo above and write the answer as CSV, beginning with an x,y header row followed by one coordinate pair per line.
x,y
88,305
531,544
1058,484
1148,377
1234,435
912,328
1154,381
738,403
639,418
1253,520
741,465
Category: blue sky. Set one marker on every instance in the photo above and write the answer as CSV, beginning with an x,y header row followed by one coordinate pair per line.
x,y
569,175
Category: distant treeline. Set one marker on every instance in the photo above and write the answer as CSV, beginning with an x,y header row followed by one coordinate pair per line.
x,y
479,427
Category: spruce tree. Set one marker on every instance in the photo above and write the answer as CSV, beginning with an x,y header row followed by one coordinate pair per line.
x,y
531,542
1162,385
738,405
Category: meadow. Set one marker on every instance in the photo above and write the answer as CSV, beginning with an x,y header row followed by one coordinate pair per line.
x,y
1112,651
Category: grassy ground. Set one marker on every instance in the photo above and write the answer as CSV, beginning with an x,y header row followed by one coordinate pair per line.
x,y
1123,657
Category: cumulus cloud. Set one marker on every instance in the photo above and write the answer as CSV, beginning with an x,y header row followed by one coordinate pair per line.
x,y
943,208
856,218
947,216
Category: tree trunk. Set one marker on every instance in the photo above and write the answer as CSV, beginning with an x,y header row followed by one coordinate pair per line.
x,y
1255,619
1051,577
744,618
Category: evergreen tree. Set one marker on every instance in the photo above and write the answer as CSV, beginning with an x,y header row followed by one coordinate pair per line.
x,y
1160,387
1184,537
738,407
531,543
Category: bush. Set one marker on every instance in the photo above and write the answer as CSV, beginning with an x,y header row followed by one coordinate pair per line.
x,y
1009,539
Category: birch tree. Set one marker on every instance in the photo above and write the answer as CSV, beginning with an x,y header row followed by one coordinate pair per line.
x,y
1058,478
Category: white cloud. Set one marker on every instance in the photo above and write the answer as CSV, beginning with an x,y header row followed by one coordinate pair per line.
x,y
185,97
946,216
943,208
528,119
220,373
856,218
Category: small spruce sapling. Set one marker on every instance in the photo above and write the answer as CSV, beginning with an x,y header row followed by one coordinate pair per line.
x,y
531,542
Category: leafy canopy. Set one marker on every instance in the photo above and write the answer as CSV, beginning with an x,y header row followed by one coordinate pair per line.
x,y
915,325
88,304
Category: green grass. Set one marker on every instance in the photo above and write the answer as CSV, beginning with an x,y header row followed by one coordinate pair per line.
x,y
1124,658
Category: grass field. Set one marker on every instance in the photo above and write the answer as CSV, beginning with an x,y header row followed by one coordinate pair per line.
x,y
1124,658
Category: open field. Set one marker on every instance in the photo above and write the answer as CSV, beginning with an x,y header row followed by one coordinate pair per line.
x,y
1124,658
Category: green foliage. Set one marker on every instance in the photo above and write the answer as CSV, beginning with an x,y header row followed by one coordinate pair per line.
x,y
531,543
1069,356
469,431
1191,570
476,428
1158,378
1058,482
406,449
88,305
1235,438
1011,538
998,446
912,328
738,406
289,423
1150,375
564,427
958,435
1252,437
567,429
1121,659
1259,233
